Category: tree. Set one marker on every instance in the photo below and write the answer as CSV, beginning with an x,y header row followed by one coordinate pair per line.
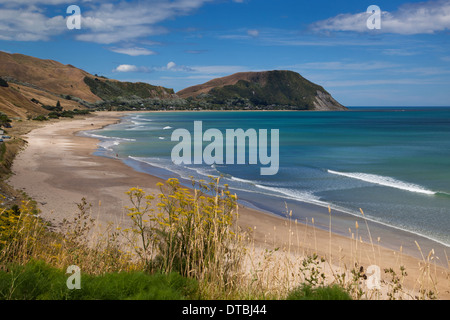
x,y
4,119
3,83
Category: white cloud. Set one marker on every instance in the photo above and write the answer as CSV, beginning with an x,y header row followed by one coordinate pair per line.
x,y
16,3
126,68
418,18
120,34
202,71
101,22
253,32
132,68
134,51
125,21
171,65
185,74
29,25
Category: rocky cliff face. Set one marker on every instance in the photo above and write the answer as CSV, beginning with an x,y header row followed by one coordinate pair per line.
x,y
325,102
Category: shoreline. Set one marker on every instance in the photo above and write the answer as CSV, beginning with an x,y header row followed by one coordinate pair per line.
x,y
394,237
58,168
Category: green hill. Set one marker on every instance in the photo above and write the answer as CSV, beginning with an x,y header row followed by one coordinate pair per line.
x,y
266,90
111,89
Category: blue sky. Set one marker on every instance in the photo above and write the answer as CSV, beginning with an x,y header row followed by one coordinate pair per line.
x,y
179,43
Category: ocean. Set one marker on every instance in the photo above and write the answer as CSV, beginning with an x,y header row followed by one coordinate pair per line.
x,y
393,163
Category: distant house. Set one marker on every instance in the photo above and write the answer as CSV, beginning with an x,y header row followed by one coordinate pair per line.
x,y
1,132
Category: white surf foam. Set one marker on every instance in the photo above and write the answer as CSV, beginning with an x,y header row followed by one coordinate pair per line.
x,y
242,180
137,128
294,194
99,136
384,181
140,118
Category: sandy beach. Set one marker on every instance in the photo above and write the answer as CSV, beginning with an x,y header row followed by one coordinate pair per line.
x,y
58,169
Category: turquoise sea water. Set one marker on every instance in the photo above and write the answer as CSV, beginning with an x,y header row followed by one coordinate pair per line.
x,y
393,163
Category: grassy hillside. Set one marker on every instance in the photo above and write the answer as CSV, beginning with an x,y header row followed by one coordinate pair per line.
x,y
276,89
29,84
110,90
15,104
280,88
46,75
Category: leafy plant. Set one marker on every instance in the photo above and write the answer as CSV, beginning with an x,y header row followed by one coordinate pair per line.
x,y
312,270
192,234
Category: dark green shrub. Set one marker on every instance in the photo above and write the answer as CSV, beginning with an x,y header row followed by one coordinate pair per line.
x,y
66,114
3,83
40,118
39,281
51,108
4,119
53,115
2,151
306,292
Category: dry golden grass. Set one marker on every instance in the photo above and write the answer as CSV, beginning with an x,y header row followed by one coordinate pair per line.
x,y
48,75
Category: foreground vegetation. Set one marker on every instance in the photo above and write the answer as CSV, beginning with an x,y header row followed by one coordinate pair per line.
x,y
184,246
177,244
